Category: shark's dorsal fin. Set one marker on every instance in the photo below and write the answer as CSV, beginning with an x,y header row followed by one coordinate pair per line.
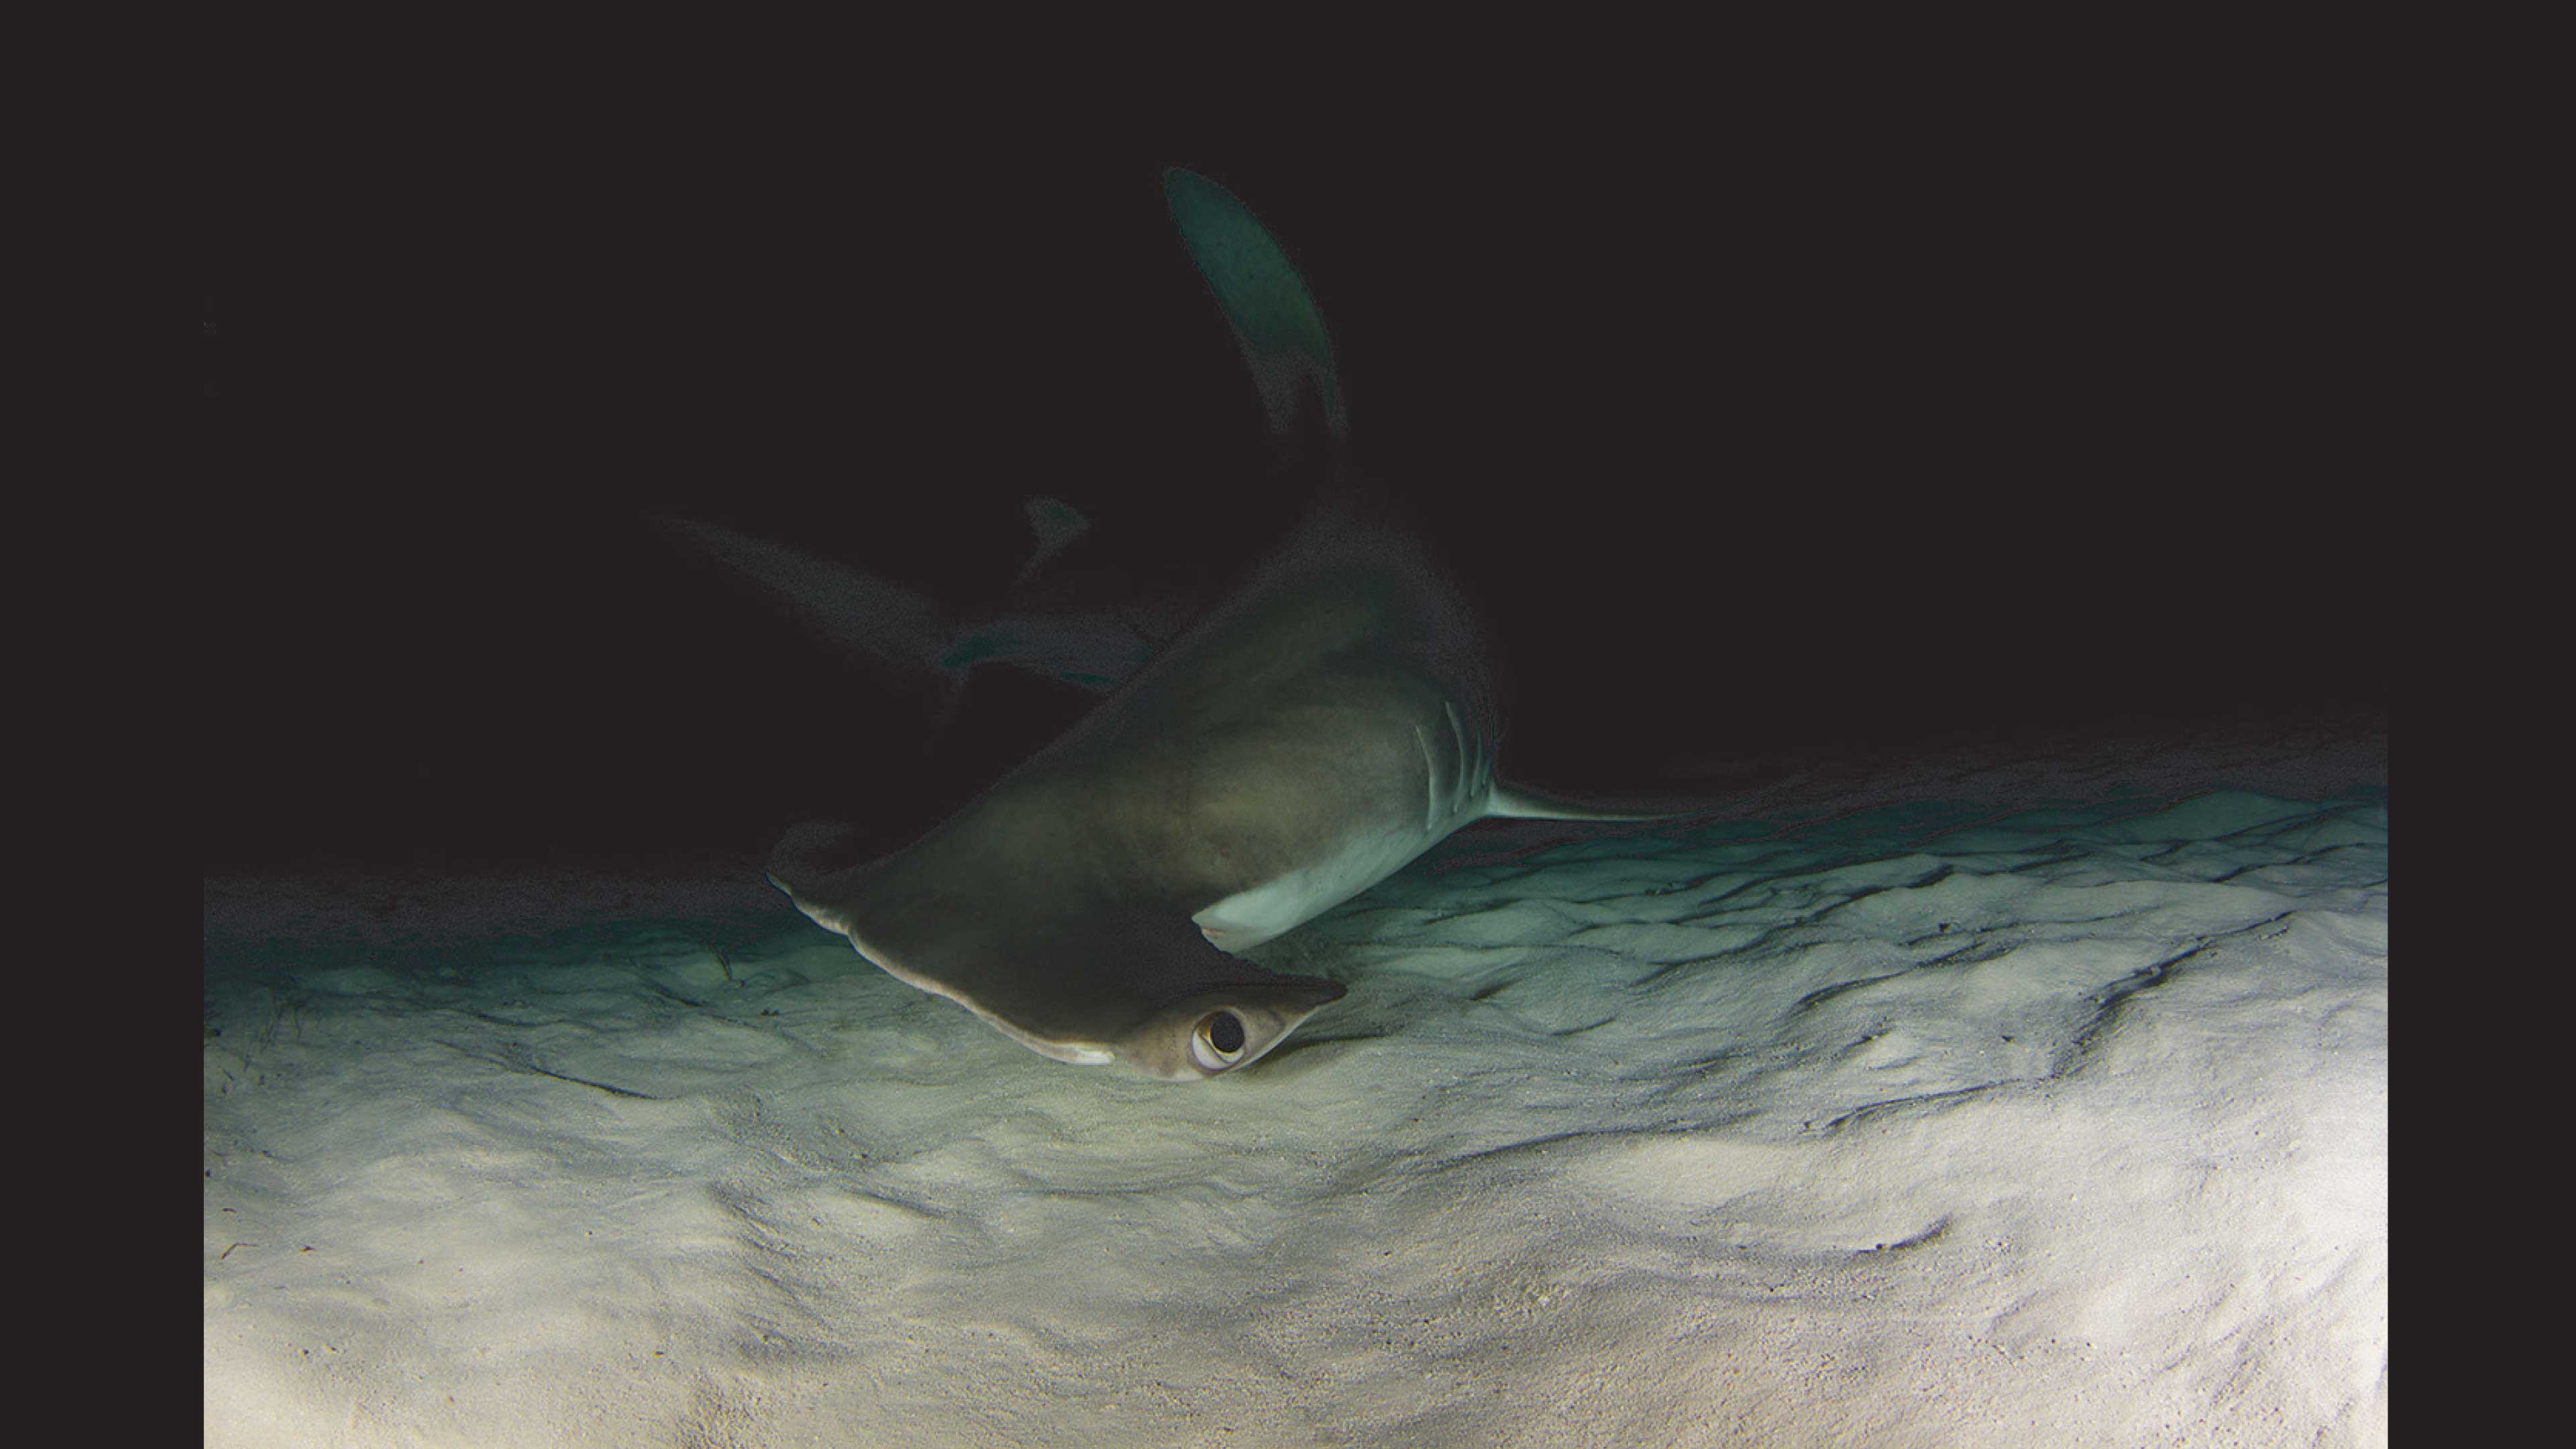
x,y
1056,523
1275,320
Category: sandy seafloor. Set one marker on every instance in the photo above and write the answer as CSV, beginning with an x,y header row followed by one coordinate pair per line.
x,y
1949,1101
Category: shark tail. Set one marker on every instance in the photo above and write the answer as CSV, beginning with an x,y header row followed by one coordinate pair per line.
x,y
849,609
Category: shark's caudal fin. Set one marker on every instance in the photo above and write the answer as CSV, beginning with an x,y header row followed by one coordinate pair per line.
x,y
851,610
1275,321
871,619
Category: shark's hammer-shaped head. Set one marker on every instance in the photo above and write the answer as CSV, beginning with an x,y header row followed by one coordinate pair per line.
x,y
1214,1032
1150,993
1104,982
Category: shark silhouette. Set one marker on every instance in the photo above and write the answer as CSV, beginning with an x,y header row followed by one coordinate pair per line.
x,y
1311,735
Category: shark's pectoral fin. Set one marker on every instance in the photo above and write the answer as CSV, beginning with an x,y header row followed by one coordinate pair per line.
x,y
1521,803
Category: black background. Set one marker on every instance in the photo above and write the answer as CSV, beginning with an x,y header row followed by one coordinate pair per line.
x,y
1791,429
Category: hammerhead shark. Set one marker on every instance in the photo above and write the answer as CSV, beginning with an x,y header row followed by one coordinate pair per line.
x,y
1319,729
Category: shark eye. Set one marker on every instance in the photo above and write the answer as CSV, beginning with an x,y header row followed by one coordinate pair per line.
x,y
1218,1042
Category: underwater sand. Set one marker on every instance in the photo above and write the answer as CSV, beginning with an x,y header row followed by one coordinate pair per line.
x,y
1950,1101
